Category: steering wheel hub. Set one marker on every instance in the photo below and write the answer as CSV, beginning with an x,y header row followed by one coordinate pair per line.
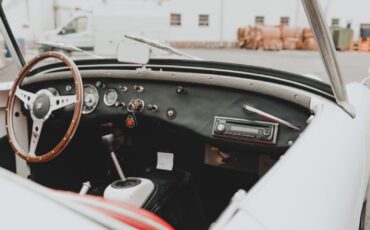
x,y
41,107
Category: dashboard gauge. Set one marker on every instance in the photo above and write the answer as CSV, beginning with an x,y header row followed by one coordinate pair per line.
x,y
110,97
91,99
53,91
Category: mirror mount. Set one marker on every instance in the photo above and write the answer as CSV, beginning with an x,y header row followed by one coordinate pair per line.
x,y
133,52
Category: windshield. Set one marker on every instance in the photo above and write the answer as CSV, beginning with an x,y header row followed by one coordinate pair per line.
x,y
268,33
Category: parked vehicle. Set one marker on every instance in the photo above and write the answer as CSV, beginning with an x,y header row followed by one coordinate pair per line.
x,y
102,28
199,144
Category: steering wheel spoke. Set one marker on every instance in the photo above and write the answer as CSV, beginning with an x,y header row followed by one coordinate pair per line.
x,y
35,135
26,97
58,102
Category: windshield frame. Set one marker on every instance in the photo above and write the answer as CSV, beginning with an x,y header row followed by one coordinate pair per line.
x,y
10,39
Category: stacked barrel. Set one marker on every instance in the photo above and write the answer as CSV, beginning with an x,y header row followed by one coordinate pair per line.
x,y
275,38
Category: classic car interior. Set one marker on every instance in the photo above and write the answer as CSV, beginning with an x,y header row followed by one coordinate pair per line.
x,y
192,132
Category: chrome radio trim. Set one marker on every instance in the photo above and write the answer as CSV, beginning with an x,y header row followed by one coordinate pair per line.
x,y
274,126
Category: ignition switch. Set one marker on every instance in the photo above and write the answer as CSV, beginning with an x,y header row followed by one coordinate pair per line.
x,y
136,105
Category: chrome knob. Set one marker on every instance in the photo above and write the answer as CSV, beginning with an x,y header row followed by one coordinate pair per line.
x,y
136,105
220,128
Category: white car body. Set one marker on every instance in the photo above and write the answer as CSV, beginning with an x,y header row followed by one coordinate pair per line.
x,y
319,183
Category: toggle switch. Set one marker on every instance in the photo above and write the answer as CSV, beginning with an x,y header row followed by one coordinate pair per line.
x,y
153,108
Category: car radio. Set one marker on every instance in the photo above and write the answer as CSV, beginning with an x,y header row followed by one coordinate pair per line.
x,y
245,130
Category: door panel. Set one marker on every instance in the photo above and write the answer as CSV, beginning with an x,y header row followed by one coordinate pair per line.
x,y
320,183
7,157
3,97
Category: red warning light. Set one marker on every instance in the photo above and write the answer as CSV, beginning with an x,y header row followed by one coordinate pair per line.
x,y
130,122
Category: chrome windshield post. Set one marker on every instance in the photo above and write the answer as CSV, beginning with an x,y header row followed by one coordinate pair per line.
x,y
327,51
10,40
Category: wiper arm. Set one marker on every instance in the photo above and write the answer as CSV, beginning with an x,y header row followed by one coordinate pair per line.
x,y
161,46
67,47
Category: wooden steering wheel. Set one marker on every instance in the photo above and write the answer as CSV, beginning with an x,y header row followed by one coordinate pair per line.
x,y
41,105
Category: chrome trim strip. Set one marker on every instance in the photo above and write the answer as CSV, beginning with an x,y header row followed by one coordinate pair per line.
x,y
270,117
327,51
267,77
288,93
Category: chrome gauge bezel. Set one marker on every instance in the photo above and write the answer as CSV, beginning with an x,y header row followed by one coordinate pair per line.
x,y
97,97
53,91
107,101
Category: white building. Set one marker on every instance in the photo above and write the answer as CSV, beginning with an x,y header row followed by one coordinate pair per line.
x,y
197,21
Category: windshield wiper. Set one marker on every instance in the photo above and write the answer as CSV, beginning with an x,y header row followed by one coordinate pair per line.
x,y
67,47
161,46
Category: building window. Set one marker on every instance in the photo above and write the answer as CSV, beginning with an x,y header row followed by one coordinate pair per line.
x,y
203,20
175,19
260,20
364,31
284,21
335,22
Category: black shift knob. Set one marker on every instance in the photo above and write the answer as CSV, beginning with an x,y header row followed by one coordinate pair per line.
x,y
108,141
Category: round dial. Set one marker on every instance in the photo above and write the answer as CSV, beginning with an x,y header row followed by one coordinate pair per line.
x,y
110,97
53,91
91,99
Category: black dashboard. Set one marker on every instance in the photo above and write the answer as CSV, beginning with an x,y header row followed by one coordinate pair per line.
x,y
192,107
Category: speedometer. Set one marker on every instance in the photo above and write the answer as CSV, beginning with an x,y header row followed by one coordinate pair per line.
x,y
110,97
91,99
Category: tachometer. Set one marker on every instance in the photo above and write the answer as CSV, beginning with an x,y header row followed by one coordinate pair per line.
x,y
110,97
91,99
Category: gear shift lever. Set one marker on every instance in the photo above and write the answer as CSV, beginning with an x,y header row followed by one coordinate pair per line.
x,y
133,190
108,141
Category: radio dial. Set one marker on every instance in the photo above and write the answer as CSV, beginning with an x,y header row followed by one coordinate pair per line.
x,y
221,128
266,132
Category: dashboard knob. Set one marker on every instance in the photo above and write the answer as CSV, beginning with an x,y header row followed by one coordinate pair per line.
x,y
153,108
139,88
180,90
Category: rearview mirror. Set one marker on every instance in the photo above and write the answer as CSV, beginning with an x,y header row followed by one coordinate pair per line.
x,y
133,52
